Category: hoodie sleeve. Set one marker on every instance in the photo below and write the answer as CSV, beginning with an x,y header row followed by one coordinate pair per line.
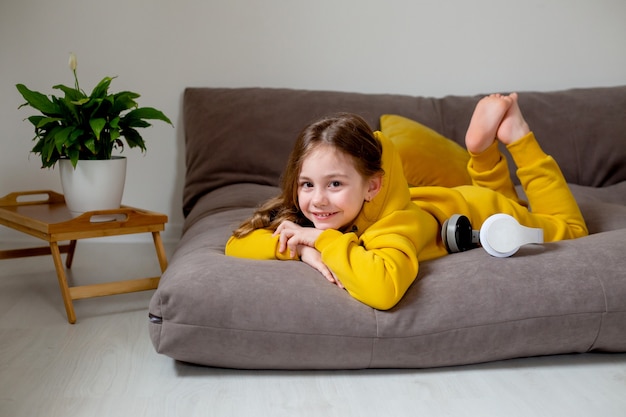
x,y
378,268
259,244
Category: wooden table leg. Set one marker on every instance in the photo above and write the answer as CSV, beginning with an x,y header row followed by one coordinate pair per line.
x,y
70,254
65,291
160,250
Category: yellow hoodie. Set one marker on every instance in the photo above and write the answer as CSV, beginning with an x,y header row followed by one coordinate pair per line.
x,y
377,260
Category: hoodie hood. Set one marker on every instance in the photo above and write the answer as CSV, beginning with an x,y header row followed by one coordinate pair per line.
x,y
394,193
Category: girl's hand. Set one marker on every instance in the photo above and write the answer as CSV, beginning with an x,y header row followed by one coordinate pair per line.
x,y
301,241
313,258
293,236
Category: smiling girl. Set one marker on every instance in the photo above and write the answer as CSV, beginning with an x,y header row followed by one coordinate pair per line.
x,y
347,211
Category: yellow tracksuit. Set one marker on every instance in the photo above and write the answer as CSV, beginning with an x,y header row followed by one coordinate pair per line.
x,y
377,260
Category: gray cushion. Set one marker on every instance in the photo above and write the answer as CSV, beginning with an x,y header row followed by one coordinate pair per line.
x,y
464,308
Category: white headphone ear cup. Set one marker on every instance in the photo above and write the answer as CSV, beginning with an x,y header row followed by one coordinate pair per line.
x,y
501,235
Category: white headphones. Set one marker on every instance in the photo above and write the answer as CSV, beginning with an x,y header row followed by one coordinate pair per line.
x,y
501,235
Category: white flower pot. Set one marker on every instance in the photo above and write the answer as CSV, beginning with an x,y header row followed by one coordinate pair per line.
x,y
93,185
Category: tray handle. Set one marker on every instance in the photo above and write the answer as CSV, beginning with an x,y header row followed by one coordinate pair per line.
x,y
24,198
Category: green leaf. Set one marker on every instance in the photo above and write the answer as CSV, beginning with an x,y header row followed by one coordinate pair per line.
x,y
71,115
37,148
76,133
134,123
115,123
147,113
43,121
81,102
124,101
73,154
96,108
115,133
97,125
36,119
61,138
134,139
90,144
49,147
71,94
100,90
37,100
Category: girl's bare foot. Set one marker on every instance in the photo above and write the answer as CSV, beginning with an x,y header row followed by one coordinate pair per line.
x,y
513,125
486,120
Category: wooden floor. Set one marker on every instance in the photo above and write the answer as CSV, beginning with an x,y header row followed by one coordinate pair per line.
x,y
105,364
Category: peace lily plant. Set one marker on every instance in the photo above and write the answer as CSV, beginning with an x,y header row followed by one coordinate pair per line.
x,y
80,126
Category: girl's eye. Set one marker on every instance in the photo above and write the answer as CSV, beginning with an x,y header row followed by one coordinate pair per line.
x,y
306,184
335,184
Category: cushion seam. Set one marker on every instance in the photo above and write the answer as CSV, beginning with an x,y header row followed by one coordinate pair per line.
x,y
377,336
602,316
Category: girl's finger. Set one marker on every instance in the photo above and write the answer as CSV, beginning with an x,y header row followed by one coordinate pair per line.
x,y
282,242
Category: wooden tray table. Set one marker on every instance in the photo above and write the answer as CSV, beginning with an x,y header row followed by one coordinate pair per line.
x,y
44,215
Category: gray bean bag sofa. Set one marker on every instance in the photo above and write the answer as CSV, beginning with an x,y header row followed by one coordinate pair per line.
x,y
464,308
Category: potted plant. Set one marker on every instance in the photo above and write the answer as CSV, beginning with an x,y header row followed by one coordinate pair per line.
x,y
80,131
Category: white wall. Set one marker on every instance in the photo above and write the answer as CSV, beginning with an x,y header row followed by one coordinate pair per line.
x,y
158,47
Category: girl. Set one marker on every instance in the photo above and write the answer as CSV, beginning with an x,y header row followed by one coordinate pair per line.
x,y
347,211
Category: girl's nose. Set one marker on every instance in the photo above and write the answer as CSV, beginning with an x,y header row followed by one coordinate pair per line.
x,y
319,199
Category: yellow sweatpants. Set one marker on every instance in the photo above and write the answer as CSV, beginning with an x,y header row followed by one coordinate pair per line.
x,y
552,206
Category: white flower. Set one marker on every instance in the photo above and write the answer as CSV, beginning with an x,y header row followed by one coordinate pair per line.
x,y
72,62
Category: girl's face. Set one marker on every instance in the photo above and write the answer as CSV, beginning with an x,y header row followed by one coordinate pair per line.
x,y
331,191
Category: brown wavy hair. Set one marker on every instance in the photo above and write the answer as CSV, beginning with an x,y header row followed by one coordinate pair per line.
x,y
349,134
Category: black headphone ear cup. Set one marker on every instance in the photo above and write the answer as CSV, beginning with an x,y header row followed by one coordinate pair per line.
x,y
463,234
456,233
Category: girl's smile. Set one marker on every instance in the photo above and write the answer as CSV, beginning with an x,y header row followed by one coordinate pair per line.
x,y
331,191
